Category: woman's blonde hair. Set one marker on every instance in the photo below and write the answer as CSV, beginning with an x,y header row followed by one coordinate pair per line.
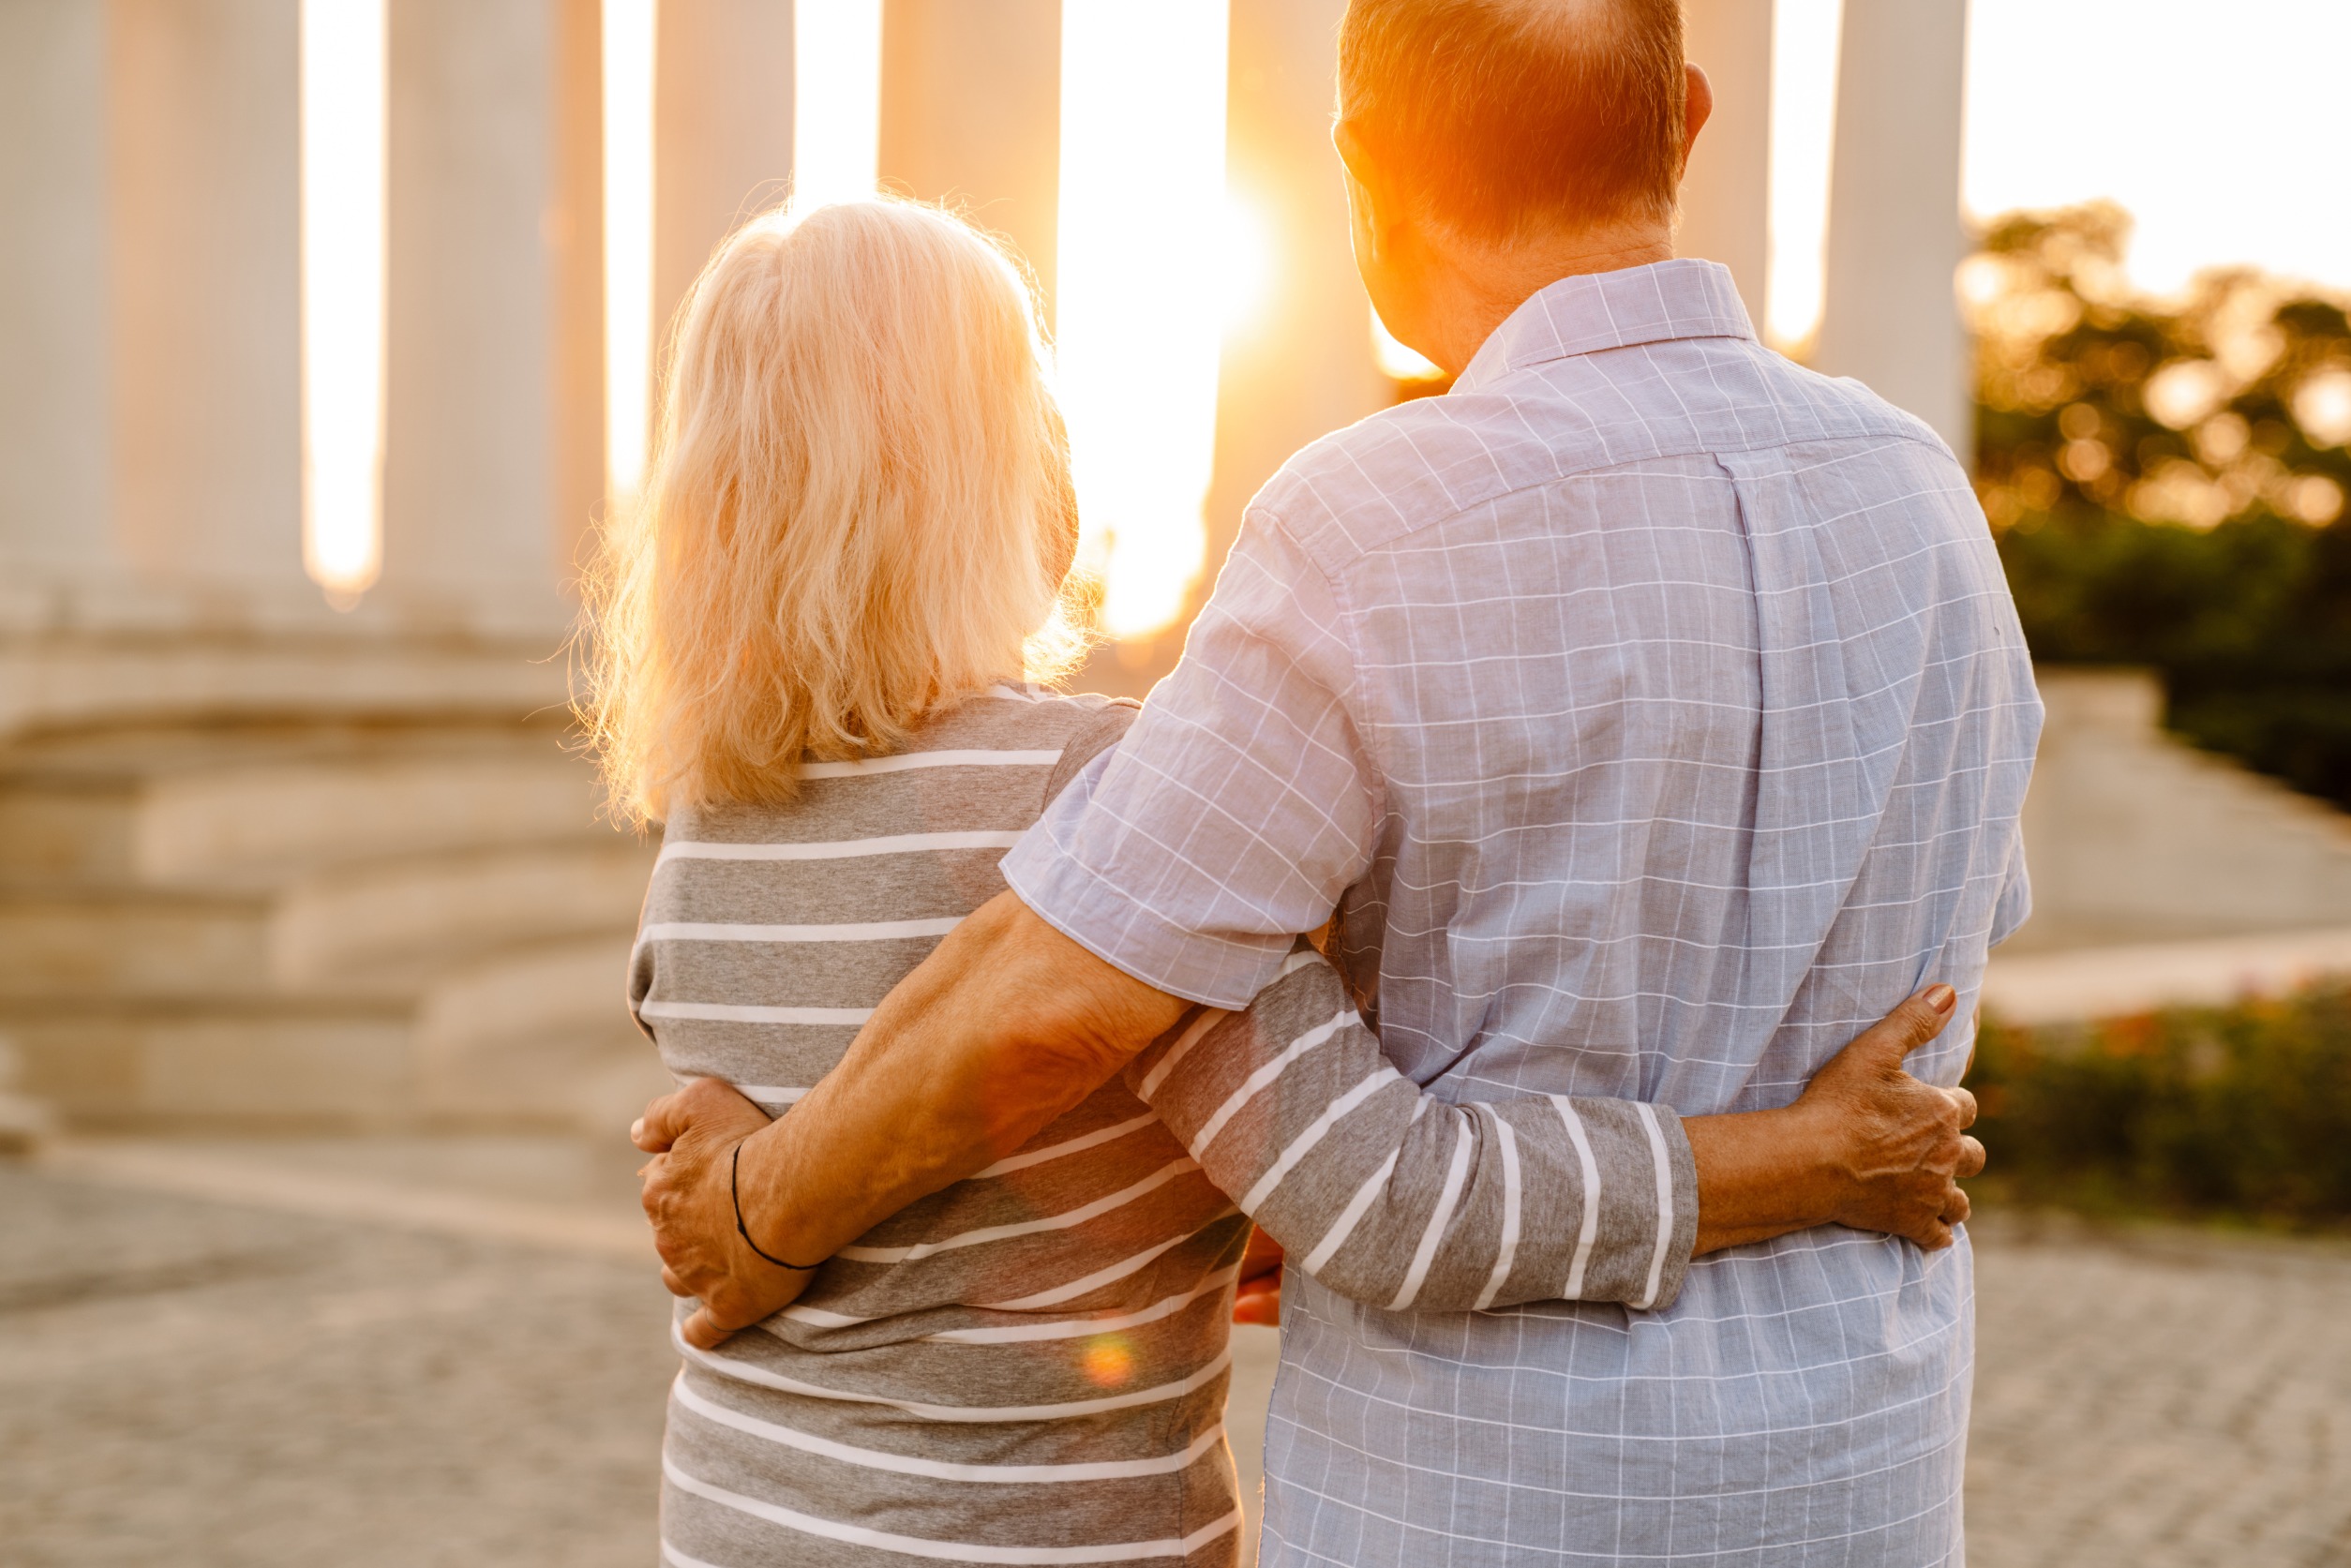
x,y
859,510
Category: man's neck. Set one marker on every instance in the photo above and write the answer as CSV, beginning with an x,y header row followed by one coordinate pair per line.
x,y
1477,289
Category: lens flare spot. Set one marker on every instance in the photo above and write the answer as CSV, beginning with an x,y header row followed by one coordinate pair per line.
x,y
1108,1362
1145,235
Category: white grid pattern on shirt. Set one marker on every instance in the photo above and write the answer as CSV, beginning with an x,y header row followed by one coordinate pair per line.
x,y
1656,716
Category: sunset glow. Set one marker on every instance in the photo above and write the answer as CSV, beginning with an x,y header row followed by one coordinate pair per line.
x,y
1397,362
1143,214
836,100
1805,39
628,241
343,179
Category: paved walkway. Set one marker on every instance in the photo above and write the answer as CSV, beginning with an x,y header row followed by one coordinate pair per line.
x,y
298,1355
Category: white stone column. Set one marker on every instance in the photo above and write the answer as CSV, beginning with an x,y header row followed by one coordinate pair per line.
x,y
205,247
723,132
1891,319
971,114
55,455
1725,192
470,530
1298,364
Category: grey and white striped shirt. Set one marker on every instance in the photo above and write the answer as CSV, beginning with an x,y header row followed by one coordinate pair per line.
x,y
1029,1367
1654,715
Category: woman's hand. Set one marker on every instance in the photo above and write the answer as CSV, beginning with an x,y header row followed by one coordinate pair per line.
x,y
689,1200
1901,1144
1865,1146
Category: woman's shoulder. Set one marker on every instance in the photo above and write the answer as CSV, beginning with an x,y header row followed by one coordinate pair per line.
x,y
1024,716
1029,740
1061,731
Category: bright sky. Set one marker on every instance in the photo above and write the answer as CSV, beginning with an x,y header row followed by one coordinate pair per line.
x,y
2218,123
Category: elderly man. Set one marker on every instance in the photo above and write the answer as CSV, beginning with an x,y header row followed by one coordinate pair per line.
x,y
1651,715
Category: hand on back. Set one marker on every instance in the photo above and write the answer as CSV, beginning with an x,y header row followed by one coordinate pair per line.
x,y
689,1201
1900,1143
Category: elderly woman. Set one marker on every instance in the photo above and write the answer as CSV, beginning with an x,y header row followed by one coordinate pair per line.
x,y
817,640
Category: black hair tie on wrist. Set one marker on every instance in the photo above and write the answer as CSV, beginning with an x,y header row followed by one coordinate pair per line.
x,y
734,1191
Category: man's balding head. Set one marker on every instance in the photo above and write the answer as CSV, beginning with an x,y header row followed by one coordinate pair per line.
x,y
1502,118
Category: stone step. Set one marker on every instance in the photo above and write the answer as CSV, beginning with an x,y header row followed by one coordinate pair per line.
x,y
318,925
395,924
535,1034
342,1065
252,805
107,946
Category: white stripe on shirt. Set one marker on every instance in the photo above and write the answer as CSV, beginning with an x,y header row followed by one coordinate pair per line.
x,y
733,1012
1210,1018
1508,1143
1426,1253
749,1371
1256,1081
1591,1230
858,930
1074,1145
1088,1284
936,1470
1665,1203
907,761
954,1551
1357,1207
1063,1221
832,849
1303,1144
1080,1328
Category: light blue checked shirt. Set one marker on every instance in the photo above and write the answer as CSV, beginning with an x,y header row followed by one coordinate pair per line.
x,y
1654,715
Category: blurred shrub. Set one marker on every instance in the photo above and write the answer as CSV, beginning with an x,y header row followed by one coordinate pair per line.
x,y
2240,1110
2248,622
2167,481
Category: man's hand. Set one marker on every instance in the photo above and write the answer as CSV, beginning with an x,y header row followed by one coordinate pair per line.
x,y
1865,1146
691,1136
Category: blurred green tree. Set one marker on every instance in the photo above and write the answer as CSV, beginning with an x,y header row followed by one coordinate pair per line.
x,y
2167,480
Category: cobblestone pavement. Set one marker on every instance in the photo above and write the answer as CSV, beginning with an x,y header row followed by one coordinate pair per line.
x,y
197,1381
187,1383
2161,1399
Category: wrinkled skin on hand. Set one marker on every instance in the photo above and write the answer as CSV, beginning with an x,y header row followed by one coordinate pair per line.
x,y
691,1136
1902,1144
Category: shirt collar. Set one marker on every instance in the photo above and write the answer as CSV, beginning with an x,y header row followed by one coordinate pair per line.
x,y
1582,315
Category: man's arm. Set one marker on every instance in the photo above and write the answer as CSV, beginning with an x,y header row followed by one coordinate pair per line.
x,y
1008,1023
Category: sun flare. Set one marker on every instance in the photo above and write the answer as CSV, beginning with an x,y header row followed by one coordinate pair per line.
x,y
628,241
1140,322
343,182
836,100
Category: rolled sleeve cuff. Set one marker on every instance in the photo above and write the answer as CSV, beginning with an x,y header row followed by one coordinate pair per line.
x,y
1090,910
1678,1231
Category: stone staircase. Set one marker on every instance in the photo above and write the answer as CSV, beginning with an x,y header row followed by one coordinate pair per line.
x,y
317,924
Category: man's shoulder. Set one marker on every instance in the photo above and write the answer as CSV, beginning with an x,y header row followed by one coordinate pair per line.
x,y
1410,466
1424,462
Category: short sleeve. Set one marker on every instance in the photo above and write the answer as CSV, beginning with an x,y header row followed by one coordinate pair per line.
x,y
2015,900
1238,808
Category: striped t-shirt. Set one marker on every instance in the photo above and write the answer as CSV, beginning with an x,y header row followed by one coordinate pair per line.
x,y
1029,1367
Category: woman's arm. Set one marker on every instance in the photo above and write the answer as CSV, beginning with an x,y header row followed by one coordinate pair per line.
x,y
1397,1198
1009,1022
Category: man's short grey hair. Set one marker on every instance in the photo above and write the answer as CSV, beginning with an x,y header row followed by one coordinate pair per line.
x,y
1502,117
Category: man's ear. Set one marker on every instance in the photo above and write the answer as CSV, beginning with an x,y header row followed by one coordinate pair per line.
x,y
1697,107
1370,197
